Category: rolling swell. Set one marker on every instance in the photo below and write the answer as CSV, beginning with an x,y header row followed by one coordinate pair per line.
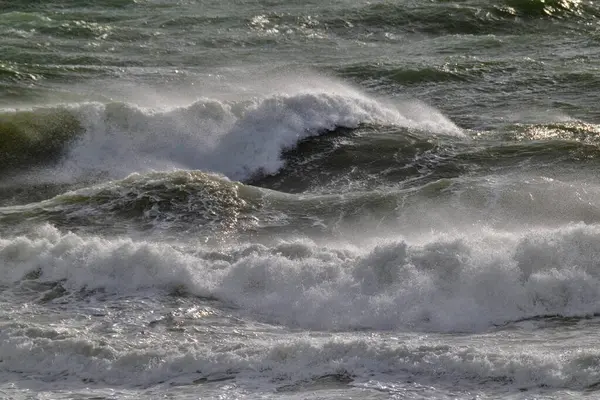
x,y
472,17
178,200
212,207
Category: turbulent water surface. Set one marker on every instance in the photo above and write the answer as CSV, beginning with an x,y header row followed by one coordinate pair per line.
x,y
299,199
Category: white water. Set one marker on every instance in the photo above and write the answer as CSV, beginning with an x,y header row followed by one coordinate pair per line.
x,y
447,284
268,359
284,317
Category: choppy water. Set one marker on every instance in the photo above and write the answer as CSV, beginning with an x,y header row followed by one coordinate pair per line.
x,y
284,199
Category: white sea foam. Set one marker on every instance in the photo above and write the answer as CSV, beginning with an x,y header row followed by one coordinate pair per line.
x,y
392,291
49,355
234,138
468,283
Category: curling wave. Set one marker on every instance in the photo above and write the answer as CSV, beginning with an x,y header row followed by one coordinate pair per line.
x,y
237,139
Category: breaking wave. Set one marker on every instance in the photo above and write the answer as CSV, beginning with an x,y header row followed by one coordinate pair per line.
x,y
237,139
288,365
446,283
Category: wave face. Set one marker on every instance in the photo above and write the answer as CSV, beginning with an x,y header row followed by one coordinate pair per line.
x,y
459,283
34,137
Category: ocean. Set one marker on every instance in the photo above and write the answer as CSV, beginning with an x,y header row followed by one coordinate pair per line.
x,y
283,199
